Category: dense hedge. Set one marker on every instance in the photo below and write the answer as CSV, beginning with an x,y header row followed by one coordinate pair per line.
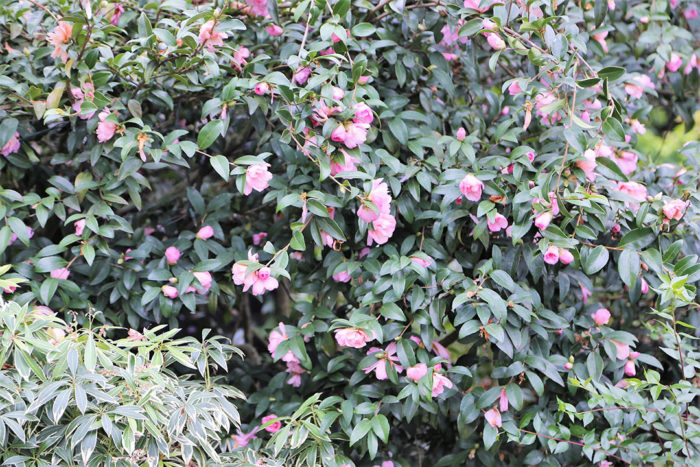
x,y
431,221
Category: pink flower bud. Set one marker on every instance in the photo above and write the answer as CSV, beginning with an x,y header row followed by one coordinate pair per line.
x,y
493,417
568,365
551,256
495,41
261,89
338,93
565,256
205,232
503,400
461,134
601,316
172,255
274,30
644,286
630,370
79,227
543,219
471,187
338,135
416,372
274,427
169,291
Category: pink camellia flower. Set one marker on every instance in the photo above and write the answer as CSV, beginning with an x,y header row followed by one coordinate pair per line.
x,y
60,273
692,62
442,352
258,238
565,256
461,134
105,129
338,93
474,5
495,41
301,75
172,255
422,262
471,187
274,427
601,316
551,256
240,271
690,13
488,24
611,5
605,463
493,417
79,227
627,161
384,358
261,281
503,400
639,83
258,7
600,38
274,30
542,100
363,113
440,382
205,281
338,135
10,289
543,219
11,146
59,36
416,372
382,229
450,56
380,197
363,252
585,293
514,88
349,164
674,62
240,439
644,287
355,135
169,291
499,222
116,14
635,190
637,126
239,58
209,38
623,350
261,89
674,209
342,276
588,164
256,178
351,337
629,368
363,79
205,232
276,337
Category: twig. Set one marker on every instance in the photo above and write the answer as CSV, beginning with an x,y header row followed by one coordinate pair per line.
x,y
37,4
571,121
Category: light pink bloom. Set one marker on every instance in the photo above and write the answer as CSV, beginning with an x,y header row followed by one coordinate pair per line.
x,y
342,276
382,229
105,129
635,190
627,161
600,38
692,62
210,38
363,252
543,219
79,97
351,337
551,256
585,293
644,287
440,383
499,222
542,100
258,238
355,134
471,187
172,255
338,135
11,146
205,281
565,256
637,86
629,368
495,41
60,273
338,93
256,178
461,134
416,372
258,7
363,113
611,5
503,400
488,24
450,56
169,291
380,197
442,352
79,227
239,57
240,439
59,36
474,5
274,30
56,334
637,126
116,14
276,337
674,62
261,281
690,13
301,75
205,232
601,316
674,209
273,428
623,350
349,164
296,370
605,463
493,417
514,88
261,89
385,357
363,79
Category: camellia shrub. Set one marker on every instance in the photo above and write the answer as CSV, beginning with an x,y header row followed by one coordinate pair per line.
x,y
428,225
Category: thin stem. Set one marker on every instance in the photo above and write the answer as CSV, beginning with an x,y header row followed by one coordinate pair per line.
x,y
39,5
571,121
597,448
